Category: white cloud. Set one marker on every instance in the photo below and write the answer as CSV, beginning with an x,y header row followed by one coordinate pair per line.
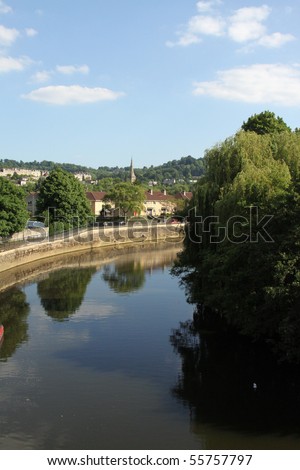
x,y
208,25
245,25
41,77
185,40
4,8
30,32
8,35
258,83
275,40
204,6
45,75
74,94
71,69
199,24
246,14
10,64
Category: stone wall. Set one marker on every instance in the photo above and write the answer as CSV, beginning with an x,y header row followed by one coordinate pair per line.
x,y
118,237
148,255
36,233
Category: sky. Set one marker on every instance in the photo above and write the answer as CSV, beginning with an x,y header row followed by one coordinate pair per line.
x,y
101,82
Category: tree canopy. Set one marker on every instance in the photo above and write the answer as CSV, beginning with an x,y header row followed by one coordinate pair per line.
x,y
13,212
265,123
129,198
242,254
184,168
62,198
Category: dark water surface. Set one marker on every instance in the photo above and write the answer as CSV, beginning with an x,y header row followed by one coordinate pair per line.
x,y
87,363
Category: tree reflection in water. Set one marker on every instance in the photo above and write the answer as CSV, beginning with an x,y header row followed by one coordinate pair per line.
x,y
228,381
124,277
14,310
63,291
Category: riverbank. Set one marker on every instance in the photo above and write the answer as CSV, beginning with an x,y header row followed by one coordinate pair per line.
x,y
110,241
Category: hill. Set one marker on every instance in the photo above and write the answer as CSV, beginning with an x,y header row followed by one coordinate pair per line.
x,y
185,168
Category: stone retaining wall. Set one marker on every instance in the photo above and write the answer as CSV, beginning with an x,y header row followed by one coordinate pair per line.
x,y
89,240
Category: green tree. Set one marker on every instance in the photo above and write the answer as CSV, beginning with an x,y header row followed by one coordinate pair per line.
x,y
104,184
13,212
265,123
62,198
129,198
230,263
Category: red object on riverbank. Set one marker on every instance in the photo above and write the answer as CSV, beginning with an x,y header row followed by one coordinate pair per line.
x,y
1,332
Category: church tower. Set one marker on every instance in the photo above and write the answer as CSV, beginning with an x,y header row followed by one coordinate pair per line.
x,y
132,175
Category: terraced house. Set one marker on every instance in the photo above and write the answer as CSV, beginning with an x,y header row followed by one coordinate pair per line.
x,y
156,204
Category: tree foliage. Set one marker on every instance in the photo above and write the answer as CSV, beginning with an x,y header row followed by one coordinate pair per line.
x,y
13,212
184,168
62,198
129,198
265,123
242,254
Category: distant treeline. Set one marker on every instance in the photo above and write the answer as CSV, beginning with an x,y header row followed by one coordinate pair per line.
x,y
185,168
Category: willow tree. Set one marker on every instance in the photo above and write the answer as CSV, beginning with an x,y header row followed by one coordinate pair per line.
x,y
242,255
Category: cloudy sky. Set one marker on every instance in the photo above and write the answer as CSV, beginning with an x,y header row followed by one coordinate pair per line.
x,y
98,82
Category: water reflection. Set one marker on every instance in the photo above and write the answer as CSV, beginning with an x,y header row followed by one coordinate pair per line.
x,y
118,371
124,277
62,292
14,310
112,358
229,383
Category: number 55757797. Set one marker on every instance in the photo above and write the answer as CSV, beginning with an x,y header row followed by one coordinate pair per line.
x,y
220,459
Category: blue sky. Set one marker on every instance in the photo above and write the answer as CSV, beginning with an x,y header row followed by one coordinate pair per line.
x,y
98,82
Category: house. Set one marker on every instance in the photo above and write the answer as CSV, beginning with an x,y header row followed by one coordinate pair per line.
x,y
158,203
97,202
32,174
184,196
31,199
23,181
83,176
169,181
182,199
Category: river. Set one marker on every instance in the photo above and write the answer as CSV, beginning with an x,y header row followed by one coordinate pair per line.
x,y
88,362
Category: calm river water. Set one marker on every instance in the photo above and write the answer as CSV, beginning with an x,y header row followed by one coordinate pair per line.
x,y
87,363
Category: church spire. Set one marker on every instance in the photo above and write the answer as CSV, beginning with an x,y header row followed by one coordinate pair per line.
x,y
132,175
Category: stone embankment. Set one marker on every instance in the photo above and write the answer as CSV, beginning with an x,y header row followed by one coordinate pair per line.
x,y
84,240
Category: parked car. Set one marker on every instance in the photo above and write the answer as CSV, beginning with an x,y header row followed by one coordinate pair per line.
x,y
35,224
